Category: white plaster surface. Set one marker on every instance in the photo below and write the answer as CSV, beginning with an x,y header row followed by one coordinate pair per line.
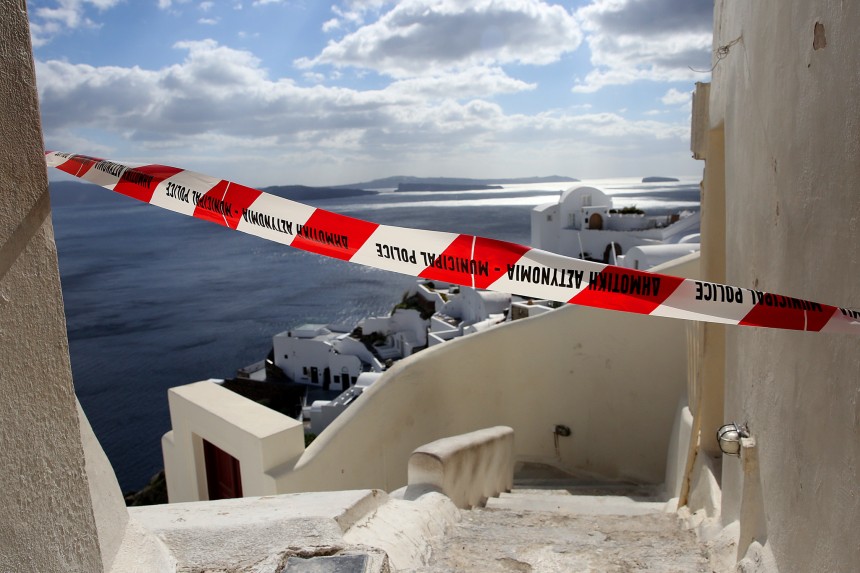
x,y
705,493
109,509
789,106
589,369
563,503
46,516
141,551
405,529
532,536
241,534
679,446
259,437
468,468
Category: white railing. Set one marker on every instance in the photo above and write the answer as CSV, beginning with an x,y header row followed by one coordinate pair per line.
x,y
468,468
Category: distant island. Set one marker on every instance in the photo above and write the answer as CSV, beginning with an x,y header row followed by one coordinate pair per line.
x,y
304,193
396,181
441,187
77,192
656,179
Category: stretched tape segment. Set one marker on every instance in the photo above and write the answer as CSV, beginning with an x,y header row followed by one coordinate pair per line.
x,y
454,258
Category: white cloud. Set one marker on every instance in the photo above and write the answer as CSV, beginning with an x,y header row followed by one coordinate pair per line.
x,y
164,4
314,77
67,139
633,40
459,85
220,101
208,21
354,12
675,97
48,21
167,4
206,6
425,37
330,25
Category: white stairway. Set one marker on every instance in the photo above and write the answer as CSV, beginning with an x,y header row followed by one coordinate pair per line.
x,y
559,527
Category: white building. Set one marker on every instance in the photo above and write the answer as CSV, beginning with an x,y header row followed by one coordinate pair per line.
x,y
778,132
323,412
465,311
333,357
313,354
404,330
532,307
647,256
585,224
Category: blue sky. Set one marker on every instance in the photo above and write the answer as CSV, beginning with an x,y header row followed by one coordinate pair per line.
x,y
307,92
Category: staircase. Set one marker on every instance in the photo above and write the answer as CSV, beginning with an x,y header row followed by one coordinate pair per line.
x,y
573,501
566,526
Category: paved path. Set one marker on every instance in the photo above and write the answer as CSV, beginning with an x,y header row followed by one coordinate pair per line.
x,y
568,530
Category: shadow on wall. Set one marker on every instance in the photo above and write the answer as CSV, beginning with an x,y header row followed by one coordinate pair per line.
x,y
614,379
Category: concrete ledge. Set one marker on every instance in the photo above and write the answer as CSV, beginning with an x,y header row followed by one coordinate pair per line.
x,y
256,534
469,468
405,530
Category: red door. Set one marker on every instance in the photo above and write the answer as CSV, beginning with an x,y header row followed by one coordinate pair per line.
x,y
222,473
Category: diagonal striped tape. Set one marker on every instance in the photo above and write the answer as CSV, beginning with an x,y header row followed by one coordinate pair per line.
x,y
454,258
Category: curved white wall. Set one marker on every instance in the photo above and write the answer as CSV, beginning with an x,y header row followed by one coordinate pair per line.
x,y
615,379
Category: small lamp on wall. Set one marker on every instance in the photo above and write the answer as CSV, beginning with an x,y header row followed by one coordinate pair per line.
x,y
729,438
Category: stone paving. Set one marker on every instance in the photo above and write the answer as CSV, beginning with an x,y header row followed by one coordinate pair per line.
x,y
534,530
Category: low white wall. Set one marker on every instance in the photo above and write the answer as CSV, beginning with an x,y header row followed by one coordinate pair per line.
x,y
442,336
469,468
614,378
679,447
520,310
260,438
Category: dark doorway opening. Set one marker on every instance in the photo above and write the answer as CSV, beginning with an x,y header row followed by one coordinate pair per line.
x,y
223,476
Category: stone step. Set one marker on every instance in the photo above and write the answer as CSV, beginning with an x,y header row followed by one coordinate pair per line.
x,y
559,532
562,502
354,563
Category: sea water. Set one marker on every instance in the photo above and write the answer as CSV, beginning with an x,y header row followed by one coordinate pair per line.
x,y
154,299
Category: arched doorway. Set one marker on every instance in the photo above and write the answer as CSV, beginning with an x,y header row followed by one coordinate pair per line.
x,y
595,221
607,253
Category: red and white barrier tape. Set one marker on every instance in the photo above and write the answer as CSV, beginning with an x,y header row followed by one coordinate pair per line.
x,y
459,259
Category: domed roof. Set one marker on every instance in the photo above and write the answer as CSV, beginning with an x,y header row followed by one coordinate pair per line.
x,y
575,193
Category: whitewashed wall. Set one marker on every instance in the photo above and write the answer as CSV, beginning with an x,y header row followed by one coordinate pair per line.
x,y
786,101
260,438
615,379
47,514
